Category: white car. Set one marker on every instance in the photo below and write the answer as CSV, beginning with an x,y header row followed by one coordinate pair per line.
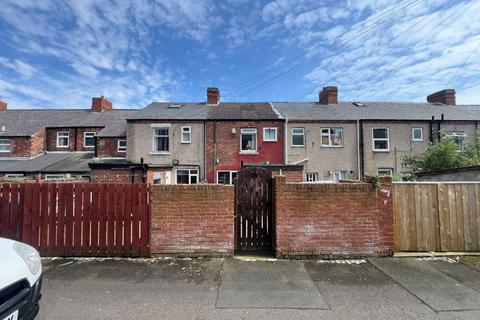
x,y
20,280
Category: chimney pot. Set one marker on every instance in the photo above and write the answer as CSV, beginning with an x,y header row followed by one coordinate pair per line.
x,y
329,95
446,96
3,105
213,95
100,104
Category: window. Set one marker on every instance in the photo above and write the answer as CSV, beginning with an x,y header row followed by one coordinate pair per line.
x,y
5,145
62,139
458,137
380,139
248,140
121,145
339,175
187,176
226,177
298,137
311,176
187,134
89,139
54,177
157,177
161,139
385,172
14,175
269,134
417,134
332,137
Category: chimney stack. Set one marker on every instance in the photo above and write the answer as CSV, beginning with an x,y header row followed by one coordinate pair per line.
x,y
213,95
3,105
329,95
446,96
101,104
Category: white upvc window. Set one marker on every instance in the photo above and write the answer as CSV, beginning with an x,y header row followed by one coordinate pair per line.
x,y
331,137
161,140
311,176
298,137
458,137
338,175
122,145
248,140
417,134
5,145
385,172
54,177
381,139
157,177
226,177
186,134
63,139
89,139
14,175
187,176
269,134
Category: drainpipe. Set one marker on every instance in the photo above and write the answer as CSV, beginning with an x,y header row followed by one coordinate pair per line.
x,y
360,163
96,148
439,129
431,129
205,150
215,151
285,142
75,140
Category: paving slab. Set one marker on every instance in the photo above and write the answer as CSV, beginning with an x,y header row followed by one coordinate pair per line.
x,y
435,288
272,284
458,271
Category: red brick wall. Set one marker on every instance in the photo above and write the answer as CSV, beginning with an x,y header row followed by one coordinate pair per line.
x,y
116,175
192,220
228,146
76,135
290,176
25,146
107,147
333,219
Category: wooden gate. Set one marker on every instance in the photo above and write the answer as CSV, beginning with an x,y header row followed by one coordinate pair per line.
x,y
254,228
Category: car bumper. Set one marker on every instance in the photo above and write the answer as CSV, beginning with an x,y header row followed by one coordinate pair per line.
x,y
20,296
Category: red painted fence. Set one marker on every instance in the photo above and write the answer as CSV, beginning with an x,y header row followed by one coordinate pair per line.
x,y
78,219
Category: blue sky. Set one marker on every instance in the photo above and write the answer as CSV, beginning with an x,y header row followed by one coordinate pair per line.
x,y
58,54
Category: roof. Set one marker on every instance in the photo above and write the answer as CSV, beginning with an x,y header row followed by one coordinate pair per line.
x,y
26,122
376,111
50,162
203,111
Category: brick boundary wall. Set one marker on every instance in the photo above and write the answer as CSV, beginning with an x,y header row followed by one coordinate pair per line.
x,y
192,220
333,220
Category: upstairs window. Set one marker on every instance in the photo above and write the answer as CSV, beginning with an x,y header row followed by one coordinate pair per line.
x,y
89,139
226,177
62,139
122,145
269,134
381,140
311,176
417,134
161,139
186,134
187,176
5,145
458,137
332,137
248,140
298,137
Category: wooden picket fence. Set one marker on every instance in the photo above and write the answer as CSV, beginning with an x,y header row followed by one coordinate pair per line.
x,y
77,219
437,216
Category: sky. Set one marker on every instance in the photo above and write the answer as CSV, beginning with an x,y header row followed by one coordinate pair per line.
x,y
59,54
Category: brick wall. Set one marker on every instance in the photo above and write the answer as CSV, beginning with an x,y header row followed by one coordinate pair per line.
x,y
353,219
192,220
76,139
290,176
108,147
124,175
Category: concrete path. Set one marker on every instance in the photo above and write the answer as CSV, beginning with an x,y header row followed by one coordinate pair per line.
x,y
434,287
266,284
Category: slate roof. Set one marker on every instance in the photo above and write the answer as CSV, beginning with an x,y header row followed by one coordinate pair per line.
x,y
242,111
376,111
50,163
25,122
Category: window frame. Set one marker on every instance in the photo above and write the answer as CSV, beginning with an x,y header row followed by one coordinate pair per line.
x,y
190,175
49,177
270,140
253,151
454,135
119,148
315,175
413,134
156,127
189,134
329,135
385,169
67,137
381,139
339,171
230,176
9,144
14,175
298,134
85,139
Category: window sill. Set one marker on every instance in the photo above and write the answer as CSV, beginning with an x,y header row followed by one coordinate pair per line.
x,y
417,140
248,153
331,146
298,146
63,147
270,140
381,151
160,153
186,142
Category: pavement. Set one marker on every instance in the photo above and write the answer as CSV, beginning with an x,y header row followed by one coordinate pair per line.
x,y
381,288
